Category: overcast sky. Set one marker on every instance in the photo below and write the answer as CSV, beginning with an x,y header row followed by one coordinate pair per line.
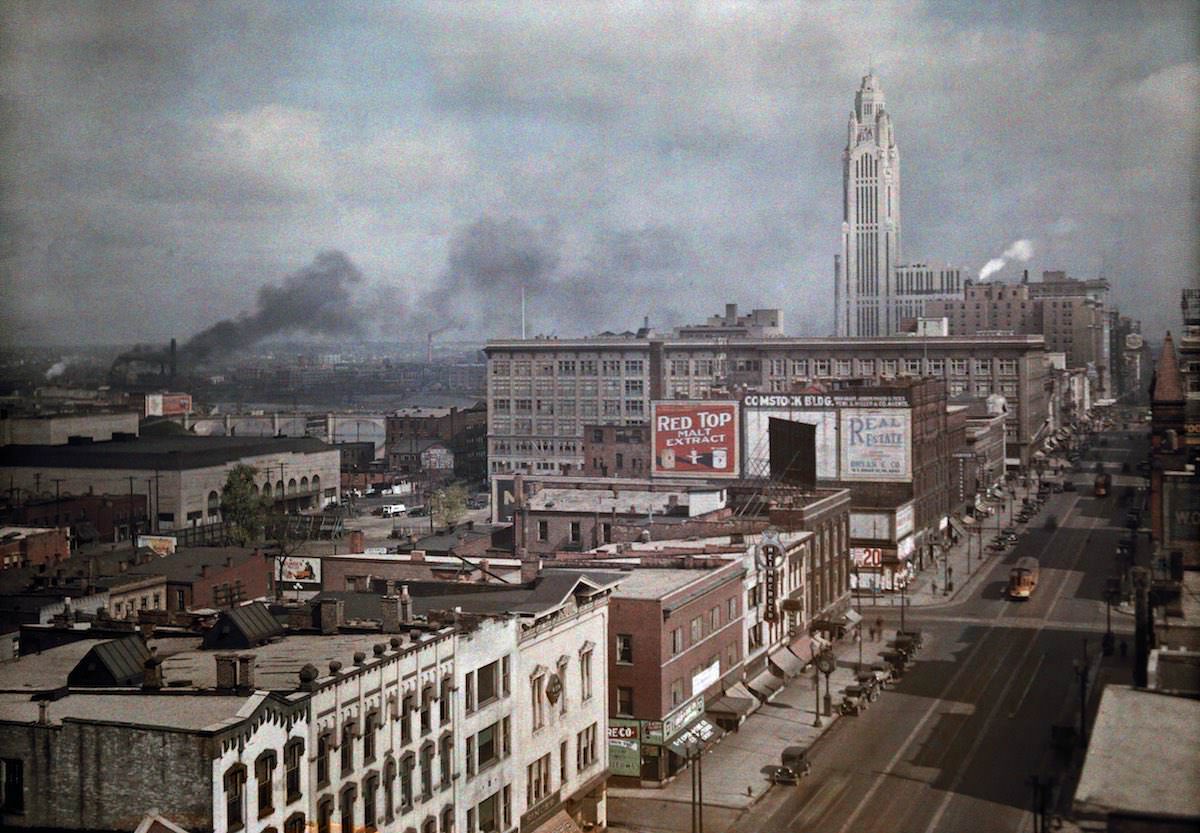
x,y
162,163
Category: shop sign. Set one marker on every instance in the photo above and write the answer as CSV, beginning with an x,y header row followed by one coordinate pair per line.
x,y
652,731
706,677
624,750
683,716
904,520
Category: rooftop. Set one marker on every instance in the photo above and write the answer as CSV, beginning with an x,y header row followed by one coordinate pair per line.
x,y
654,583
607,502
1138,737
168,453
168,710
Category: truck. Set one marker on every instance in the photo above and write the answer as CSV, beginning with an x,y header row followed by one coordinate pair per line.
x,y
392,509
1102,484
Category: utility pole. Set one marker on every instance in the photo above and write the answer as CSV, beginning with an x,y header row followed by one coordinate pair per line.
x,y
57,497
132,525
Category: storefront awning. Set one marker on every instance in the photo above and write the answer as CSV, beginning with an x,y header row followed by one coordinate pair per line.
x,y
730,706
788,663
560,822
765,685
697,735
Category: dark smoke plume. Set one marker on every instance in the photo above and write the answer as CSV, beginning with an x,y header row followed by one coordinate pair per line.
x,y
315,300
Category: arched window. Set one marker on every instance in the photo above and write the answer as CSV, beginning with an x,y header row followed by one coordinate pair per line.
x,y
279,488
304,484
214,504
266,490
291,487
254,487
316,483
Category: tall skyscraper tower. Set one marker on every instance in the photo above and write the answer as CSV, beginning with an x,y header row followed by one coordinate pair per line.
x,y
864,271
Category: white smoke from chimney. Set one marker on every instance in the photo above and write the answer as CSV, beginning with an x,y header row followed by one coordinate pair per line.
x,y
1021,250
56,370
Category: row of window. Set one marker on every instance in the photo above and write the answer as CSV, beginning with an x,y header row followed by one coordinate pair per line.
x,y
552,689
567,407
265,765
568,367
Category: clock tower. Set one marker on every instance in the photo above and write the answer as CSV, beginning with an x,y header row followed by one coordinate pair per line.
x,y
864,270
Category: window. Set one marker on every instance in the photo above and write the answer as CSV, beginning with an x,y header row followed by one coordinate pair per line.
x,y
486,812
624,648
697,629
562,764
426,710
714,619
983,367
347,748
585,675
369,737
677,692
676,641
841,368
293,754
958,367
427,770
323,759
624,700
294,823
576,532
543,530
822,367
472,755
406,711
406,780
487,750
585,749
731,611
537,785
505,676
325,816
235,788
633,367
634,387
912,367
370,790
348,808
536,686
445,758
566,367
1008,367
444,701
389,789
866,367
264,772
506,736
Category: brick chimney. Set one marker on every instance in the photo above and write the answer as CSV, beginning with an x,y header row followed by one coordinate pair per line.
x,y
227,672
357,542
390,614
152,679
329,615
245,671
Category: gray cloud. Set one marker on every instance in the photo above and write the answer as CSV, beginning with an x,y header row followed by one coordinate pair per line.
x,y
615,160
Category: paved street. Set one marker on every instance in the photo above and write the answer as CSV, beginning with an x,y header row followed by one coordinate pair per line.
x,y
953,745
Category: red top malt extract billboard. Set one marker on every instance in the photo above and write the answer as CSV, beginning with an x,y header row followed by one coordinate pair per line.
x,y
695,439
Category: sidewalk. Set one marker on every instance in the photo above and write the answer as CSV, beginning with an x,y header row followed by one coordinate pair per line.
x,y
736,769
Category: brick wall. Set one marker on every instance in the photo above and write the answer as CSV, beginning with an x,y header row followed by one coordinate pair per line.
x,y
43,547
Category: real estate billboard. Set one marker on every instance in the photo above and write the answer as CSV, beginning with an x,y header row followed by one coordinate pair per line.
x,y
876,444
695,439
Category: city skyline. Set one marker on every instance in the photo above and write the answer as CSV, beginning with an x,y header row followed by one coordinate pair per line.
x,y
174,164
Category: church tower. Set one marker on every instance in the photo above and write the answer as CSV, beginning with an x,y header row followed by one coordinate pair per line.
x,y
864,271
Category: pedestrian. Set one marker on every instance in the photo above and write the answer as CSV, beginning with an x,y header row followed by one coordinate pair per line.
x,y
879,627
871,632
934,587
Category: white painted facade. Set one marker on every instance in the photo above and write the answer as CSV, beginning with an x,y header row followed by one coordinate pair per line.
x,y
567,648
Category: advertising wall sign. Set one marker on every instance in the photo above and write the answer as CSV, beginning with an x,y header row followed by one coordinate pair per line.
x,y
757,427
624,747
706,677
1181,510
876,444
160,544
695,439
305,572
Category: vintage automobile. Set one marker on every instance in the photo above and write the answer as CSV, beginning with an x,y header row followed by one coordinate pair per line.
x,y
854,699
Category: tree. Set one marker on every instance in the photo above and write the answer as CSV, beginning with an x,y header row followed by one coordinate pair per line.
x,y
243,509
448,505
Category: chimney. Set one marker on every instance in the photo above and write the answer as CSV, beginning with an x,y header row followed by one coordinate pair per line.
x,y
329,615
357,542
406,610
152,679
43,712
484,566
229,561
731,313
390,614
203,570
245,672
531,566
227,672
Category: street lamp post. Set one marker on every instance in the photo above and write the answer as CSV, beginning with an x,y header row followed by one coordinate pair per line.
x,y
949,578
696,757
858,603
817,723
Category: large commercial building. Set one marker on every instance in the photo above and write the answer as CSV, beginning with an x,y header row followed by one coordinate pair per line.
x,y
183,476
1071,314
542,392
873,292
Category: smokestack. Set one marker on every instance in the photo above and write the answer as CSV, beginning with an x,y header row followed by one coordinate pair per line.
x,y
731,313
390,615
406,612
245,671
174,360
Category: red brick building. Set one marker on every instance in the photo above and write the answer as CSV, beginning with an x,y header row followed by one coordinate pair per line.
x,y
616,450
93,518
29,546
212,577
675,636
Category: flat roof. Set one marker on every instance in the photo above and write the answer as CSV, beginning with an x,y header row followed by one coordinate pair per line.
x,y
1138,739
170,710
627,501
784,342
47,670
170,453
658,583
